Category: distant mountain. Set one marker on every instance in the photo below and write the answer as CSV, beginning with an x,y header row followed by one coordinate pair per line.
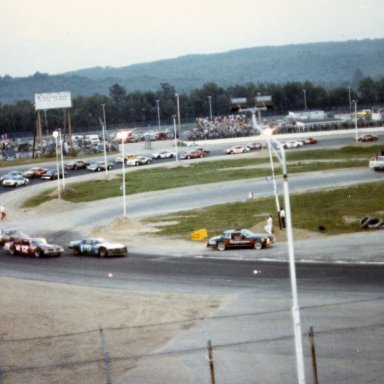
x,y
328,63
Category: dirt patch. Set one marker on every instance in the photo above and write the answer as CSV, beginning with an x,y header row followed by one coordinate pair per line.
x,y
61,323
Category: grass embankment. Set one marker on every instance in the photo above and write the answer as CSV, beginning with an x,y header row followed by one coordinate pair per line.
x,y
337,211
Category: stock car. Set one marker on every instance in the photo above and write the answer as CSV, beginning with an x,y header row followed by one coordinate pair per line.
x,y
76,164
99,166
163,155
236,149
293,144
7,235
240,238
10,174
35,172
97,247
367,138
15,181
139,160
52,175
193,154
33,246
255,146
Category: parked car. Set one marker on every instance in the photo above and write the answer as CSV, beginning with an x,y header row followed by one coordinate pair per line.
x,y
7,235
139,160
52,174
240,238
34,246
236,149
310,140
367,138
99,166
15,181
163,155
293,144
10,174
254,146
97,247
76,164
193,154
35,172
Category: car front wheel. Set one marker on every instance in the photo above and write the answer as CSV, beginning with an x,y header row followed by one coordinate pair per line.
x,y
221,246
257,245
103,252
12,250
38,253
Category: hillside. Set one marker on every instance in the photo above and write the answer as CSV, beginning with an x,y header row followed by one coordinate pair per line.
x,y
328,63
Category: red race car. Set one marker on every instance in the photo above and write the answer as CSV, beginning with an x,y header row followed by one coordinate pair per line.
x,y
34,246
35,172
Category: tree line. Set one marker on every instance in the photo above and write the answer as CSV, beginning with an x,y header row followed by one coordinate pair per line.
x,y
131,109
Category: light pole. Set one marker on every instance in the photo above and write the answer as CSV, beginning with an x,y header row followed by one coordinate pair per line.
x,y
349,98
55,134
295,303
356,133
174,128
178,112
158,112
104,127
210,107
122,136
305,99
61,159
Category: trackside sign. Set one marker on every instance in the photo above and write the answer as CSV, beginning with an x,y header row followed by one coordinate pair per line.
x,y
55,100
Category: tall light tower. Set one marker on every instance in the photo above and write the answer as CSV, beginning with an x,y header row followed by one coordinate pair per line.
x,y
104,127
305,99
356,132
210,107
158,112
178,113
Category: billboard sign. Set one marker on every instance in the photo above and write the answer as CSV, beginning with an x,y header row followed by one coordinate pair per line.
x,y
55,100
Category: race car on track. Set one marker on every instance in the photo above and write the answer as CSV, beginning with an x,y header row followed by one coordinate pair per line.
x,y
76,164
237,149
7,235
35,172
139,160
163,155
240,238
34,246
15,181
99,166
97,247
193,154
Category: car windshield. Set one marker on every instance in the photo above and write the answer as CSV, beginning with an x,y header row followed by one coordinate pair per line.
x,y
39,241
247,233
36,242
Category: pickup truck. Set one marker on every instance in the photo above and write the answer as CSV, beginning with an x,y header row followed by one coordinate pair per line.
x,y
377,164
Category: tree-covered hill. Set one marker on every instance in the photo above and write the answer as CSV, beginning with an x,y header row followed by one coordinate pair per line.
x,y
328,63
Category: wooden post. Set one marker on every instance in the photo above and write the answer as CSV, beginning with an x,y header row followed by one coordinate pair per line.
x,y
210,359
106,356
313,353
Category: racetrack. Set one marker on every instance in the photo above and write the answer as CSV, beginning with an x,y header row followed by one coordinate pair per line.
x,y
158,312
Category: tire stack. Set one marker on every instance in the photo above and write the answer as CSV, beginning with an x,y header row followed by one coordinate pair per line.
x,y
368,222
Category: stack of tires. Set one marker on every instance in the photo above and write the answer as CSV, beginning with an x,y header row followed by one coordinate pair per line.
x,y
368,222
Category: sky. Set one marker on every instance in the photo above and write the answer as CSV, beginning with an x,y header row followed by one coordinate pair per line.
x,y
56,36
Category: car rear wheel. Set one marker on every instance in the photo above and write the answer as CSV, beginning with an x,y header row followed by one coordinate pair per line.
x,y
258,245
221,246
103,252
38,253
